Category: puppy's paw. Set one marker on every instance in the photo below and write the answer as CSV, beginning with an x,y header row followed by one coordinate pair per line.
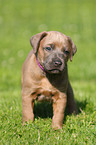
x,y
56,126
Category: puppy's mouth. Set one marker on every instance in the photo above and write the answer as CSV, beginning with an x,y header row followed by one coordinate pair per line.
x,y
55,71
54,66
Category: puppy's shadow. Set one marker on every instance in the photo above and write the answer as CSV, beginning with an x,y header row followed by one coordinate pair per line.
x,y
81,105
45,109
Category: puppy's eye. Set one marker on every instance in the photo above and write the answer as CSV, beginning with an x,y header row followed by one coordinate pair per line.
x,y
48,48
66,52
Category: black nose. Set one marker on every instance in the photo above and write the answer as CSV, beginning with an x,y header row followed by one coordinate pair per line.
x,y
57,62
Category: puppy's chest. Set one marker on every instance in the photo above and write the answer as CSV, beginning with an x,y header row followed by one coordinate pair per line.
x,y
45,91
47,88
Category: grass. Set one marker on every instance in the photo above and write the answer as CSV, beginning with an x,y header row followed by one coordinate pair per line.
x,y
21,19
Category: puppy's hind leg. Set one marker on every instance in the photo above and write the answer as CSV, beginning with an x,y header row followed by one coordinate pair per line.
x,y
71,104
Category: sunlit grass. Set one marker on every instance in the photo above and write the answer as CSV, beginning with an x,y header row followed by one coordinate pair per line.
x,y
21,19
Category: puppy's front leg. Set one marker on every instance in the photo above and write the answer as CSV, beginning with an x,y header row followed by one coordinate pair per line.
x,y
58,112
27,106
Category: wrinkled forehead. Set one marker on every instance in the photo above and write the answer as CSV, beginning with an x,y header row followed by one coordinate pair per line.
x,y
56,38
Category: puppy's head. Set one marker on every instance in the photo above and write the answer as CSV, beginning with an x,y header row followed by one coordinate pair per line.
x,y
53,49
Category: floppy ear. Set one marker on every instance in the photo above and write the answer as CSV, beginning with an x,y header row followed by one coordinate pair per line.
x,y
35,40
72,47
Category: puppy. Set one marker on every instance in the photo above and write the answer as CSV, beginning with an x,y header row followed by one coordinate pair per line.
x,y
45,76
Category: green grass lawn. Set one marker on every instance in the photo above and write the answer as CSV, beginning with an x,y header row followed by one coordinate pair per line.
x,y
19,20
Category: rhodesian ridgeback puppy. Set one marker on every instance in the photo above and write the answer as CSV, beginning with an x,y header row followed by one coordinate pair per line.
x,y
45,76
